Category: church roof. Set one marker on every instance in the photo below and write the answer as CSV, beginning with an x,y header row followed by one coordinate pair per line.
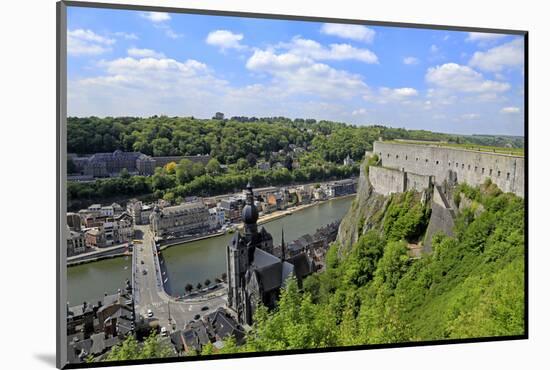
x,y
302,265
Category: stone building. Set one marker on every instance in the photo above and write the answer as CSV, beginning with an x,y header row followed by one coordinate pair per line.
x,y
186,218
139,212
111,164
111,231
76,242
254,273
458,165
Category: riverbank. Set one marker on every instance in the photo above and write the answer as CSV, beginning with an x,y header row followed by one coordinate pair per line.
x,y
261,220
98,255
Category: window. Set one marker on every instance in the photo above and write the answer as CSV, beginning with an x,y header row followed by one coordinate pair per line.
x,y
388,155
406,157
508,176
397,156
449,164
456,164
417,159
491,172
436,162
498,173
483,170
426,160
462,165
475,169
468,167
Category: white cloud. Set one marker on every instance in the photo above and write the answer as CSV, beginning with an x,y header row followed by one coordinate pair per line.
x,y
302,75
510,110
405,92
314,50
349,31
144,53
156,17
483,36
172,34
126,35
156,67
87,42
459,78
496,59
410,60
225,39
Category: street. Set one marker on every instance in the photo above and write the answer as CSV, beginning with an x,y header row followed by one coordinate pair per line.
x,y
150,294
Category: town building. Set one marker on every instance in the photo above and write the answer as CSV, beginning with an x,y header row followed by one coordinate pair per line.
x,y
76,242
110,231
341,187
139,212
100,165
232,206
74,221
254,273
92,329
186,218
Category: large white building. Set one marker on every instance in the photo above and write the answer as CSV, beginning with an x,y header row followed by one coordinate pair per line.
x,y
186,218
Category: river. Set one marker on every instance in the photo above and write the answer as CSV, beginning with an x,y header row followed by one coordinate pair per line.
x,y
196,261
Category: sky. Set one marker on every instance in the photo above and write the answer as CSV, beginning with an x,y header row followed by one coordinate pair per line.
x,y
134,63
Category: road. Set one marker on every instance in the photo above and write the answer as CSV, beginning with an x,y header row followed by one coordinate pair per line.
x,y
149,292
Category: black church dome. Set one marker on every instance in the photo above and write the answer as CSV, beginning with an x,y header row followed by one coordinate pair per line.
x,y
250,214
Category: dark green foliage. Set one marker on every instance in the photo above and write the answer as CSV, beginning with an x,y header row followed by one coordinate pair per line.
x,y
406,218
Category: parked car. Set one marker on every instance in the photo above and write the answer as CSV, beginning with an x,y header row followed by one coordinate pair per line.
x,y
204,308
149,313
197,316
163,332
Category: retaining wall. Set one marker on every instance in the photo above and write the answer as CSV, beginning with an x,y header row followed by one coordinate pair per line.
x,y
506,171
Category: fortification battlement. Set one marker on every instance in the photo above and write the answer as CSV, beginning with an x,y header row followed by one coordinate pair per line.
x,y
506,171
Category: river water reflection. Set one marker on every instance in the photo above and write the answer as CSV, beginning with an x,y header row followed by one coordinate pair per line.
x,y
197,261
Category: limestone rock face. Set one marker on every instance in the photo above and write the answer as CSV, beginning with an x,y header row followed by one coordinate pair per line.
x,y
365,213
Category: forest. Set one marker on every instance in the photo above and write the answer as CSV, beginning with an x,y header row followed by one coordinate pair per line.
x,y
471,286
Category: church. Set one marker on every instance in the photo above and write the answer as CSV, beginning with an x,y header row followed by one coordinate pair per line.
x,y
254,273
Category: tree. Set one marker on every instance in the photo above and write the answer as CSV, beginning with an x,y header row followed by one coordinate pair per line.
x,y
288,163
131,349
242,164
252,159
124,174
183,171
199,286
207,282
171,168
213,167
188,288
224,276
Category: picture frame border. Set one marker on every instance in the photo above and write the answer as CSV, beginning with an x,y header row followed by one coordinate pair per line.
x,y
61,175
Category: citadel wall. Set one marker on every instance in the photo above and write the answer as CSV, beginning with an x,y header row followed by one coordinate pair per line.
x,y
506,171
386,181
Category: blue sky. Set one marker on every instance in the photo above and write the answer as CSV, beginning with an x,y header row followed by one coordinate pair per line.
x,y
132,63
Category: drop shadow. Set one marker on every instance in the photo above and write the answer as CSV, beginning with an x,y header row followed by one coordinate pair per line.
x,y
46,358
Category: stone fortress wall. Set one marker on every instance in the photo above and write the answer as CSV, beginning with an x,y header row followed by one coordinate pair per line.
x,y
386,181
421,161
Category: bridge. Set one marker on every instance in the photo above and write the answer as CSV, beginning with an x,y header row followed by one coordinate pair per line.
x,y
149,292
